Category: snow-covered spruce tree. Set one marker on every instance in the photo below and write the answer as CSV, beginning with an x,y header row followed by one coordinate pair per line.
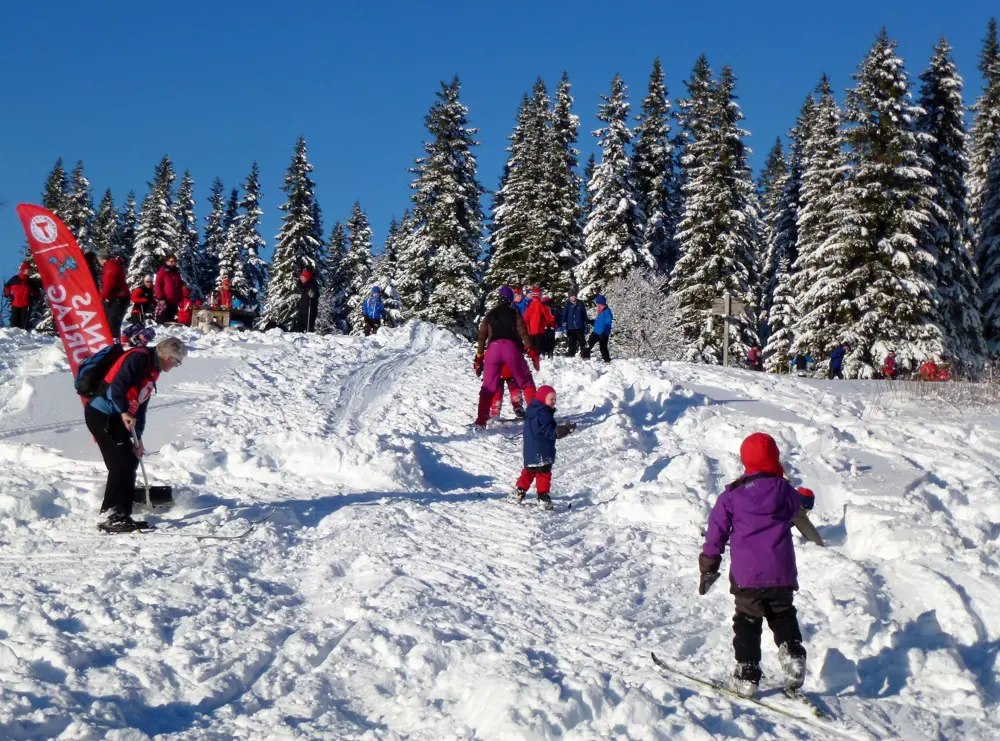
x,y
989,279
251,243
56,191
586,198
296,248
214,239
440,272
157,235
819,271
187,249
613,235
985,134
782,249
123,241
653,169
957,305
886,205
642,332
231,262
384,269
770,191
358,267
331,312
720,228
567,227
105,223
79,209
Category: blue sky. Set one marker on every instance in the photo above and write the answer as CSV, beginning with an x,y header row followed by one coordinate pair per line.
x,y
218,84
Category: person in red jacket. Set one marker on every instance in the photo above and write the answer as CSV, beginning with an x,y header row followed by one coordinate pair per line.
x,y
889,369
114,290
537,317
21,290
225,296
168,291
929,371
143,301
185,309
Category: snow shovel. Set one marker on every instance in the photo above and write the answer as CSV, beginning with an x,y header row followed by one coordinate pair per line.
x,y
151,496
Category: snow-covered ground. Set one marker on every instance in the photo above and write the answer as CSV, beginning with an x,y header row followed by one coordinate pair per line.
x,y
394,595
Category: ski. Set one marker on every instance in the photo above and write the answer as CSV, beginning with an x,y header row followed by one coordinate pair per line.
x,y
728,692
802,697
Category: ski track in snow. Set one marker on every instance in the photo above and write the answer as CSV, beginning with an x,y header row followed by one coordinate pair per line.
x,y
394,594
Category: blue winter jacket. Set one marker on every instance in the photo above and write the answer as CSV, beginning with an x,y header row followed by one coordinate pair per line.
x,y
539,434
374,309
837,357
522,305
574,316
602,324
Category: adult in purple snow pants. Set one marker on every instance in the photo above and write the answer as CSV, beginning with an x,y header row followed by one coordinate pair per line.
x,y
503,336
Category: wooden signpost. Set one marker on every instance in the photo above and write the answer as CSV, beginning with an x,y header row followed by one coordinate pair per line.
x,y
726,307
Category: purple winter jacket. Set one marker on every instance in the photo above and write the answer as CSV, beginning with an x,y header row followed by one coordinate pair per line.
x,y
756,513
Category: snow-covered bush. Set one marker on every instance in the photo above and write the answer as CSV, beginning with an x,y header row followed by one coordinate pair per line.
x,y
645,319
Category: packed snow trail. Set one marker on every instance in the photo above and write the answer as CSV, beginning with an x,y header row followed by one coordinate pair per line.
x,y
393,594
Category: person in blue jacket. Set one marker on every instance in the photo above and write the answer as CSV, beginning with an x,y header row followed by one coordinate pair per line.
x,y
521,302
837,361
574,323
602,329
374,311
540,435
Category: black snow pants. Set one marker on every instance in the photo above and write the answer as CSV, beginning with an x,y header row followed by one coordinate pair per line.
x,y
753,606
19,317
115,310
601,339
115,443
575,338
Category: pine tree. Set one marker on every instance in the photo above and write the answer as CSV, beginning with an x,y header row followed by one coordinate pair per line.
x,y
441,264
613,233
251,243
157,234
358,267
187,251
214,240
783,249
105,223
653,168
564,162
720,230
231,263
771,185
56,191
985,135
586,198
331,314
123,241
78,208
384,269
957,305
297,248
990,258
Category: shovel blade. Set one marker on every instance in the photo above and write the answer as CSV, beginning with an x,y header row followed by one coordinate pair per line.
x,y
159,496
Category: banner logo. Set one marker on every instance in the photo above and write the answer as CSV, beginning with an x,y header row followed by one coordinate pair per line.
x,y
44,229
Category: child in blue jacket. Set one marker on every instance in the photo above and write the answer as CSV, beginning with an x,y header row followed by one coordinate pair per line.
x,y
540,435
602,329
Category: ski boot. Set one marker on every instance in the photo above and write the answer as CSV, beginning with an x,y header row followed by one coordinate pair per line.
x,y
545,501
517,496
746,678
792,657
117,523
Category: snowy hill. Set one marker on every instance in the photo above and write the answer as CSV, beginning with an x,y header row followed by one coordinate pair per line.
x,y
392,595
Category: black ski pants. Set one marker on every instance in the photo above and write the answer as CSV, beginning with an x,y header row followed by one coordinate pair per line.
x,y
371,326
753,606
836,373
550,343
601,339
115,310
115,443
575,338
19,317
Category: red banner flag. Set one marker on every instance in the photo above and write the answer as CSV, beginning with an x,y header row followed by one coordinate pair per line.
x,y
69,286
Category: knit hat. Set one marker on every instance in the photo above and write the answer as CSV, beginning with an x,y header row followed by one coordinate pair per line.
x,y
506,294
25,267
536,291
307,274
376,289
599,300
807,498
543,393
225,281
760,454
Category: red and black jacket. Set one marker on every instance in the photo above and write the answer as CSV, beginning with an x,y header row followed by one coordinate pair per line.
x,y
21,290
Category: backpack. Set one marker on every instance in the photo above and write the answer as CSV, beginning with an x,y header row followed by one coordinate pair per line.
x,y
90,375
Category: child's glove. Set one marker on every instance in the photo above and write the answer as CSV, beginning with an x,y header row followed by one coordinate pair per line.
x,y
477,365
564,429
806,498
709,567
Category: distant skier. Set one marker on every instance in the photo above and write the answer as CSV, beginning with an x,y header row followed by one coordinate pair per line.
x,y
143,301
374,311
305,317
602,329
503,340
574,321
21,290
185,309
756,513
168,291
540,435
755,360
889,369
114,290
549,348
837,361
112,415
930,371
537,317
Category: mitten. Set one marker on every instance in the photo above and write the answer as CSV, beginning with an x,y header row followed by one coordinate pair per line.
x,y
709,567
564,429
806,497
477,365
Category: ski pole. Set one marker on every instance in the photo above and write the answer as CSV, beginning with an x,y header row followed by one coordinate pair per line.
x,y
145,479
642,333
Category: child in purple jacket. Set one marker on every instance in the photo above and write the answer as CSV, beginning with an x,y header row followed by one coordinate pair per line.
x,y
755,515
